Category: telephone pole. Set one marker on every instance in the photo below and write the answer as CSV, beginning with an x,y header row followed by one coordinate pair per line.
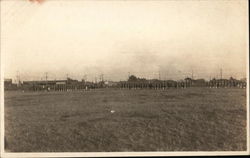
x,y
85,77
192,74
95,79
46,76
18,78
220,73
102,78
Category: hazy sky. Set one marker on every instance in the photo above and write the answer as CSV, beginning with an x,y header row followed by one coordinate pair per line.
x,y
113,38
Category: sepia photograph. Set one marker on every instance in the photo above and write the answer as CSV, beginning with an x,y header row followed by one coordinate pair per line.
x,y
124,78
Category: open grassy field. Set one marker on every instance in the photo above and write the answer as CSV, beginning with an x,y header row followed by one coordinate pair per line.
x,y
193,119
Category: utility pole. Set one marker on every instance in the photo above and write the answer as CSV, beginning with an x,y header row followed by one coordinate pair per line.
x,y
95,79
18,78
101,77
85,77
220,73
46,76
166,77
159,75
192,74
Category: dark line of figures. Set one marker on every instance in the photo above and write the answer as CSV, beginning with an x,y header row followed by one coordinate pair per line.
x,y
132,85
181,85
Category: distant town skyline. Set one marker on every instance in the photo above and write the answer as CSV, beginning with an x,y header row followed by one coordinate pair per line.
x,y
148,39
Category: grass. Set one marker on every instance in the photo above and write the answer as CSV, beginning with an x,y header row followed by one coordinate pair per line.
x,y
192,119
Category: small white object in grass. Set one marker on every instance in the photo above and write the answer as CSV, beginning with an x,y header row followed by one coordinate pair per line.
x,y
112,111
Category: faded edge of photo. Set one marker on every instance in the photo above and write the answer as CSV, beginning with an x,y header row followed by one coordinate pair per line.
x,y
104,154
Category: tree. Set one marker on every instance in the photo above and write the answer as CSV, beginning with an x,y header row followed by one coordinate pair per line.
x,y
132,78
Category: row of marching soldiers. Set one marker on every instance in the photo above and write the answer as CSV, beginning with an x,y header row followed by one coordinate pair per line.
x,y
183,84
224,83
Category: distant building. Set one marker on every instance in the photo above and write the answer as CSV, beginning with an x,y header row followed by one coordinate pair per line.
x,y
199,83
51,85
7,82
110,83
59,85
8,85
189,82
